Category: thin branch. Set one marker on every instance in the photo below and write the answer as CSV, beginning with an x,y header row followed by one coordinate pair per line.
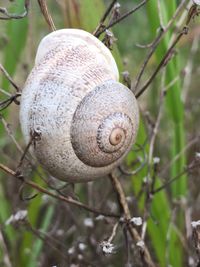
x,y
188,146
156,42
114,232
5,73
142,162
105,15
145,255
163,62
122,17
178,176
169,52
33,137
10,134
5,92
6,103
29,158
43,190
46,14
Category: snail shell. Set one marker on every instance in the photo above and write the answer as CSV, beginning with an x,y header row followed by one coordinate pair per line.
x,y
87,121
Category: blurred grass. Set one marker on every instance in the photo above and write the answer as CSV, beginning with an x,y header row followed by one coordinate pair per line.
x,y
164,238
38,244
11,55
175,114
174,103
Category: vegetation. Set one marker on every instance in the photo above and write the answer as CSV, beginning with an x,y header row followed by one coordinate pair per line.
x,y
146,213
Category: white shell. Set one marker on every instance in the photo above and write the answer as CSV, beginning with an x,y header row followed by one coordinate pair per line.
x,y
87,121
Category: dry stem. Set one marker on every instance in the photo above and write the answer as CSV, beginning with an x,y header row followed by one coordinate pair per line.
x,y
144,252
43,190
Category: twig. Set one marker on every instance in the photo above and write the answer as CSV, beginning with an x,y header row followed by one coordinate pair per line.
x,y
127,243
105,15
22,151
145,255
163,62
155,43
5,73
178,176
5,92
10,134
40,189
126,171
33,137
46,14
114,231
8,16
13,98
169,52
189,145
21,194
122,17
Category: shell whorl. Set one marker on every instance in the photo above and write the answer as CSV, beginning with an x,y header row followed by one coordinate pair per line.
x,y
86,119
113,132
102,128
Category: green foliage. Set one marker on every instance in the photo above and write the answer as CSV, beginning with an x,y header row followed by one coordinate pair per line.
x,y
174,107
16,31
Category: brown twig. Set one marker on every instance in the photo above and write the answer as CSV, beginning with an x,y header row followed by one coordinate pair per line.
x,y
155,44
43,190
145,255
169,52
114,232
6,103
178,176
10,134
188,146
163,62
23,152
122,17
143,162
46,14
5,73
102,20
32,138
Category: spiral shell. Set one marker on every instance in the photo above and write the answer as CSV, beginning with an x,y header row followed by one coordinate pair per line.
x,y
87,121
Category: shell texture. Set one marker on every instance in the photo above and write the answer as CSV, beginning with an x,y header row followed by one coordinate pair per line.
x,y
86,119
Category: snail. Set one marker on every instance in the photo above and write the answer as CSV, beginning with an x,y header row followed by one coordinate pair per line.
x,y
86,120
